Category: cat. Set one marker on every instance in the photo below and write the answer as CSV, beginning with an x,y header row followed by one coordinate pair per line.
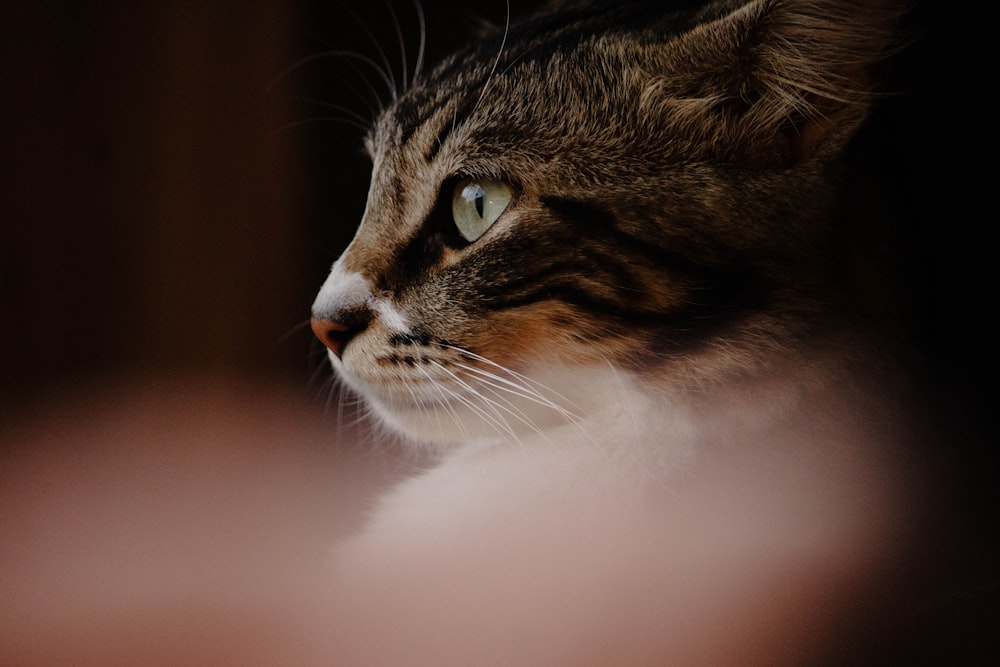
x,y
611,278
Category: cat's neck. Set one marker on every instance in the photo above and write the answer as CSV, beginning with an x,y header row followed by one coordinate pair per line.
x,y
657,423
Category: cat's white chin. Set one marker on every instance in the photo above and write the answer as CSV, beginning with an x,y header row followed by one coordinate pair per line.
x,y
554,402
439,426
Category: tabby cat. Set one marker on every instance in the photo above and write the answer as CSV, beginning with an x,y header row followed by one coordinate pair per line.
x,y
610,274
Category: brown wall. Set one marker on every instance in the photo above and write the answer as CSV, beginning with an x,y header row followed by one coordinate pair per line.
x,y
154,219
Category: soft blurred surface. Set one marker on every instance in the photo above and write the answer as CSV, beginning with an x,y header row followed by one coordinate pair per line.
x,y
172,523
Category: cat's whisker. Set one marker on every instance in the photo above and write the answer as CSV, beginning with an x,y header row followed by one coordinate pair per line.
x,y
351,404
445,403
421,48
496,419
350,60
514,374
323,370
402,45
386,65
533,395
495,390
342,400
570,417
630,410
496,63
523,380
518,413
372,93
503,394
294,329
497,422
522,386
449,409
515,61
320,376
348,113
330,388
528,391
509,387
318,119
340,53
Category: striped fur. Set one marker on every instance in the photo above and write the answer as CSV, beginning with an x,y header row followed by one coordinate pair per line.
x,y
676,168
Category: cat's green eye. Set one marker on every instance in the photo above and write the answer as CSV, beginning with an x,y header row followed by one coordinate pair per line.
x,y
477,204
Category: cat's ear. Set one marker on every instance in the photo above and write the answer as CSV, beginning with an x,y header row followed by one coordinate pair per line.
x,y
793,78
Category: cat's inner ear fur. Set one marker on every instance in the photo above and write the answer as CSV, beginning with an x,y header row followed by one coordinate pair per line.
x,y
783,80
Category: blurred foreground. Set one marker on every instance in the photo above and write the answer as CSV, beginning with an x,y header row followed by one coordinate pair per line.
x,y
193,522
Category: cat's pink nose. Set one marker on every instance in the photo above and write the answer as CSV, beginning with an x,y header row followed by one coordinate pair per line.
x,y
333,334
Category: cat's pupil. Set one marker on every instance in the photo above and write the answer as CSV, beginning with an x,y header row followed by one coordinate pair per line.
x,y
475,192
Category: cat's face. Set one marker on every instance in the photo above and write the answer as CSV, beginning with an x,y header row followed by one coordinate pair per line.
x,y
591,204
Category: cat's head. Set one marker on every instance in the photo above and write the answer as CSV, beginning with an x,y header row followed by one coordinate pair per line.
x,y
613,186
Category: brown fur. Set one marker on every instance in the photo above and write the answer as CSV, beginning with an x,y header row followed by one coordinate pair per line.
x,y
718,143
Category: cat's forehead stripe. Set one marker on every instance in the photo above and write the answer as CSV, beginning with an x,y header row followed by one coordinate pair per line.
x,y
456,83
